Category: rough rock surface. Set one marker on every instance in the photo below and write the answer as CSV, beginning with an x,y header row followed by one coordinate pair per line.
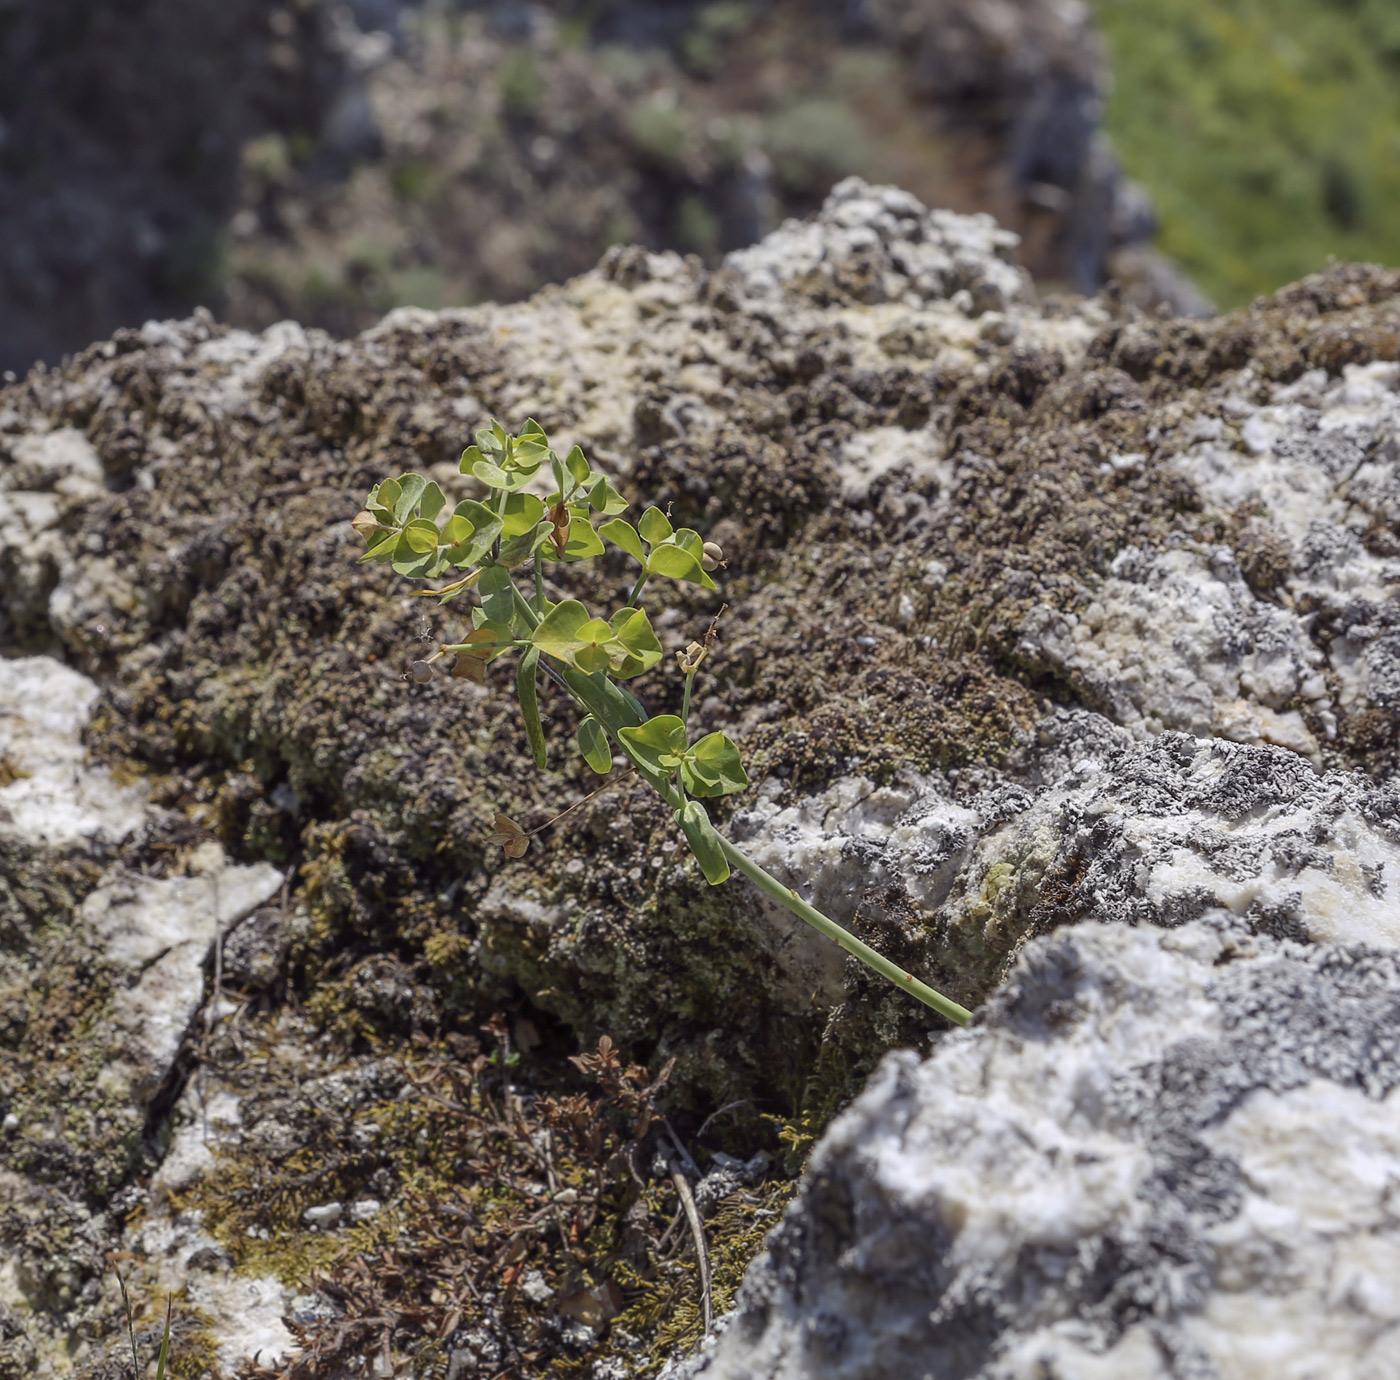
x,y
1158,1154
1038,614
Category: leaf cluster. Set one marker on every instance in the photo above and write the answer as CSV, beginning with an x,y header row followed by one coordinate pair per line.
x,y
540,507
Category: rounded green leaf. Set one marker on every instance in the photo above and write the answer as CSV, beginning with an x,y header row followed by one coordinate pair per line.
x,y
583,540
655,526
497,595
456,530
714,767
421,536
621,533
521,548
557,634
382,499
411,488
493,476
578,467
432,501
677,564
633,631
603,498
658,744
522,512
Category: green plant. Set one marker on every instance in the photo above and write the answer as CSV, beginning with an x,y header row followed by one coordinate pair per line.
x,y
164,1356
406,525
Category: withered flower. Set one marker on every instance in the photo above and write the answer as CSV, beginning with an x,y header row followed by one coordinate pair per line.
x,y
510,837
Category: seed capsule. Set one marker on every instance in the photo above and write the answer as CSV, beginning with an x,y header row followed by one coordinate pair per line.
x,y
365,523
422,672
711,555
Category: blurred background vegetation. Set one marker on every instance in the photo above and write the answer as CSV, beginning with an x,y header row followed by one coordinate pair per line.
x,y
327,160
1266,131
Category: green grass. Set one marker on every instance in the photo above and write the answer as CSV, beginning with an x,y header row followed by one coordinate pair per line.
x,y
1267,131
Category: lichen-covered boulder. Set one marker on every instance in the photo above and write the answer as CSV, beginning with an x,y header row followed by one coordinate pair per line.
x,y
1157,1154
1038,612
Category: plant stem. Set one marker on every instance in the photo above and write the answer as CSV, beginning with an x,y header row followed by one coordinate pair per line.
x,y
785,896
685,698
765,881
539,583
636,590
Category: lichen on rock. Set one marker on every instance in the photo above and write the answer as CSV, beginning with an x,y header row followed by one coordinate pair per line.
x,y
1039,612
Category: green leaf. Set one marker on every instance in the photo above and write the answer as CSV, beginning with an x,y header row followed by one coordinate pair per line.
x,y
493,476
411,488
583,541
520,548
415,564
529,455
591,657
383,497
578,468
603,498
597,647
677,564
421,535
655,526
432,502
715,767
593,743
492,440
633,631
529,703
497,594
486,527
659,744
704,842
456,530
532,428
615,705
557,634
522,512
382,548
621,533
689,540
470,457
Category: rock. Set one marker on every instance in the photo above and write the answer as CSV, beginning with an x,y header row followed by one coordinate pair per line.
x,y
1037,617
48,794
1129,1166
161,934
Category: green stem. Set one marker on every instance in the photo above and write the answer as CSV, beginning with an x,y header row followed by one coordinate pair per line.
x,y
685,699
588,700
786,896
637,590
522,605
539,583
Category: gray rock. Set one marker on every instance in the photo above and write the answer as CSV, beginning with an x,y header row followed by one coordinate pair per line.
x,y
1130,1166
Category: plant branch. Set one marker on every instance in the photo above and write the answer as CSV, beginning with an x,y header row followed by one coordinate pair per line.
x,y
787,897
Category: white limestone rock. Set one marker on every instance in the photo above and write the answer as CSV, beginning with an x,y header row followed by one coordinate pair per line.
x,y
1157,832
912,254
161,931
1176,638
1128,1167
50,795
